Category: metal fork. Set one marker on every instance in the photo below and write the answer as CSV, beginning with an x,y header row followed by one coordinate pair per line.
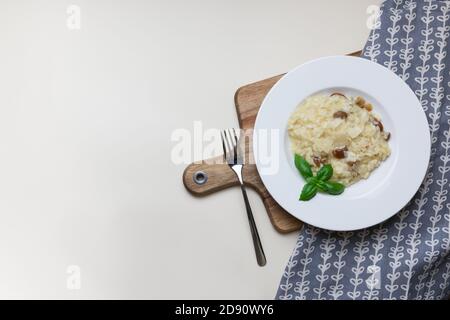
x,y
234,159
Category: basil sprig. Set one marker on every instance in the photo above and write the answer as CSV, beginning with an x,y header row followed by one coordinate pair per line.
x,y
320,182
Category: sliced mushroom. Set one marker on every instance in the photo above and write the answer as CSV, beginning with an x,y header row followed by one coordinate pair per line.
x,y
338,94
377,123
339,153
387,136
340,115
319,160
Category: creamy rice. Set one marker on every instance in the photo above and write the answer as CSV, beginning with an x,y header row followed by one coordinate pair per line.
x,y
342,131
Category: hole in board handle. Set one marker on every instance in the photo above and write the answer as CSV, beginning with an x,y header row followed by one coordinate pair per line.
x,y
200,177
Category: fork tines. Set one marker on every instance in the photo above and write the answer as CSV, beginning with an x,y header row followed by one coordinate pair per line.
x,y
230,145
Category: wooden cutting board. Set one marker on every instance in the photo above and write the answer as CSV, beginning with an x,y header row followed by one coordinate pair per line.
x,y
247,100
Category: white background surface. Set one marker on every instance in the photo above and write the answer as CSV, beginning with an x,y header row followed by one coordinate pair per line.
x,y
86,118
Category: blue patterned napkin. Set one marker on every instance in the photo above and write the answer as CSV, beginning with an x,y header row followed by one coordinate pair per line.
x,y
407,257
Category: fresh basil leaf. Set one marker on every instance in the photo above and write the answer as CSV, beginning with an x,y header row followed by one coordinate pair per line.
x,y
333,188
303,166
325,173
308,192
312,180
320,185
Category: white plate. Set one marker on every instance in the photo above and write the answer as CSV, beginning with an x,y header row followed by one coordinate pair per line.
x,y
389,187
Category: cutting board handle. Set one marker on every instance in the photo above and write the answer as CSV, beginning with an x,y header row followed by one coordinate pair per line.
x,y
208,177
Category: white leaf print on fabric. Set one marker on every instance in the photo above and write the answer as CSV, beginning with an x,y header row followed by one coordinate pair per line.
x,y
379,236
302,286
397,253
413,239
440,195
407,53
289,273
425,47
444,286
445,253
373,48
392,41
336,289
361,249
327,246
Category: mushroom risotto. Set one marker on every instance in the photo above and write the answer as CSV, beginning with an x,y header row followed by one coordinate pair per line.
x,y
342,131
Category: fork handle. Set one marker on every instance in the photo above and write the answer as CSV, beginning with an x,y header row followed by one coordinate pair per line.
x,y
260,256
